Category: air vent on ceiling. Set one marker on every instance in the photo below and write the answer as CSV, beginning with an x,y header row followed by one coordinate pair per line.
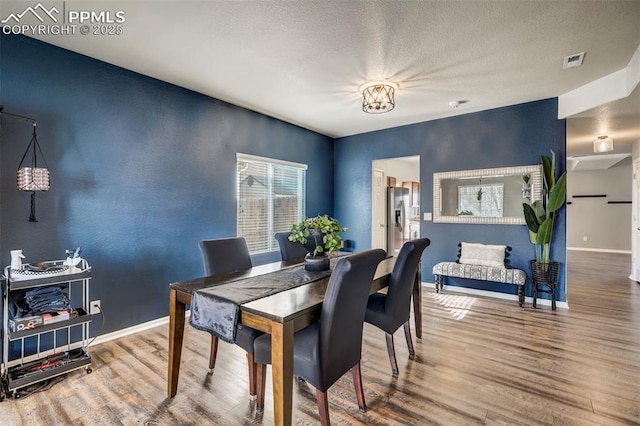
x,y
573,61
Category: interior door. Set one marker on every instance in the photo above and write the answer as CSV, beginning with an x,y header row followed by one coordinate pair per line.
x,y
379,208
635,222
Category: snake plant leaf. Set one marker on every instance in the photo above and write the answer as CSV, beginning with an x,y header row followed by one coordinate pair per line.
x,y
558,193
530,218
544,231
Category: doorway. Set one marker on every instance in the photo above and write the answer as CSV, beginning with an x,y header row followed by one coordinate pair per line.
x,y
400,172
635,222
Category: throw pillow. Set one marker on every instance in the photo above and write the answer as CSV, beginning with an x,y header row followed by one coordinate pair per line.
x,y
482,254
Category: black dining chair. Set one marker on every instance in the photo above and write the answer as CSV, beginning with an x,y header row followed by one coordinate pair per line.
x,y
289,249
222,256
328,348
391,310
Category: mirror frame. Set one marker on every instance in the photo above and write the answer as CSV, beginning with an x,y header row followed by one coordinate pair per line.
x,y
536,193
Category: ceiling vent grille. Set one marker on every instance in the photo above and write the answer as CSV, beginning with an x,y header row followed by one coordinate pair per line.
x,y
573,61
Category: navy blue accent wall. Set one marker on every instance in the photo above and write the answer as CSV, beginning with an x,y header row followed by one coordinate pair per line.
x,y
141,171
511,136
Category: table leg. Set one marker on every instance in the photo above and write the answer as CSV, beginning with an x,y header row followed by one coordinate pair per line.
x,y
176,336
417,301
282,372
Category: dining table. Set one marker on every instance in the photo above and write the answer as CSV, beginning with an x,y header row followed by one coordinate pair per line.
x,y
280,314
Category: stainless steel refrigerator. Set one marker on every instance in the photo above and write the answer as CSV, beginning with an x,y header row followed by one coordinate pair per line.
x,y
397,223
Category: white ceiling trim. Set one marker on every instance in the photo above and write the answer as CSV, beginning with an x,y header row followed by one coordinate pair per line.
x,y
594,162
633,71
612,87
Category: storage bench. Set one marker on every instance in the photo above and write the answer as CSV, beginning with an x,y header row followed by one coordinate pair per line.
x,y
489,271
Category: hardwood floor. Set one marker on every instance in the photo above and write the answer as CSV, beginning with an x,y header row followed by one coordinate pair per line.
x,y
480,361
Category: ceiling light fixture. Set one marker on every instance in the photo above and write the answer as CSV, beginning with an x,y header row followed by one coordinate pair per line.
x,y
603,144
378,97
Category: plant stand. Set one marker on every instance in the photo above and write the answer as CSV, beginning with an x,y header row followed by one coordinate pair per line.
x,y
545,279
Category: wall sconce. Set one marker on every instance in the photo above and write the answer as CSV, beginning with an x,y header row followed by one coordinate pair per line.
x,y
378,97
603,144
30,177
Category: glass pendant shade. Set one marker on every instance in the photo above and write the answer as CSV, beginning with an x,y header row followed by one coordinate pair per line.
x,y
603,144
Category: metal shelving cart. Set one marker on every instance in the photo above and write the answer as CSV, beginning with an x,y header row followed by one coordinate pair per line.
x,y
42,351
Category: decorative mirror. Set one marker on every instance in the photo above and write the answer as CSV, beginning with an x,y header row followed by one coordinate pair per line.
x,y
485,196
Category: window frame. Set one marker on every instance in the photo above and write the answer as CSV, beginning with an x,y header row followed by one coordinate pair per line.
x,y
271,164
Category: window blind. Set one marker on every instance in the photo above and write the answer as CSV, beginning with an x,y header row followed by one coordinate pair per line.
x,y
270,199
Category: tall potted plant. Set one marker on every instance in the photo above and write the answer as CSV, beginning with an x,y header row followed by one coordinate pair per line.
x,y
320,235
540,219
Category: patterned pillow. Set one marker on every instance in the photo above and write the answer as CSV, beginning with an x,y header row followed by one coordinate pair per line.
x,y
482,254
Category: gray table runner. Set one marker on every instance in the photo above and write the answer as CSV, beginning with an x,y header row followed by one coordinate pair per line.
x,y
217,309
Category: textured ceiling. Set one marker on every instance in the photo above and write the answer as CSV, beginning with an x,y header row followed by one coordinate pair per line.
x,y
303,61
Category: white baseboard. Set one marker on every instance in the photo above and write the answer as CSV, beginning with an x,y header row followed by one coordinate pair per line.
x,y
496,295
132,330
599,250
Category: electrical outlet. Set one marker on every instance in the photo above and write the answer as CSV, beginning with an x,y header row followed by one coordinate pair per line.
x,y
584,238
94,307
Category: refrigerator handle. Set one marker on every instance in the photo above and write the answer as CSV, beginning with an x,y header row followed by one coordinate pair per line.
x,y
402,216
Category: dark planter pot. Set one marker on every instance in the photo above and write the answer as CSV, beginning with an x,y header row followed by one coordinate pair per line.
x,y
545,280
316,263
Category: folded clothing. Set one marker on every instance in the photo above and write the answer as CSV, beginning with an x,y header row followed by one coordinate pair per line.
x,y
39,300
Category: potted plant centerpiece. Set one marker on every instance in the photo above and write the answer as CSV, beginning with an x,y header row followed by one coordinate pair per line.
x,y
320,235
540,218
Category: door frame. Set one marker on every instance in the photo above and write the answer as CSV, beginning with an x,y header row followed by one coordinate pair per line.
x,y
635,222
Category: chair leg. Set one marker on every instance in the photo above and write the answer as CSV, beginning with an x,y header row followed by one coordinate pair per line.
x,y
252,374
213,353
323,407
407,335
357,382
261,373
392,354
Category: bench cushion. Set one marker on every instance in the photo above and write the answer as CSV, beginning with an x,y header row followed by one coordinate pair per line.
x,y
479,272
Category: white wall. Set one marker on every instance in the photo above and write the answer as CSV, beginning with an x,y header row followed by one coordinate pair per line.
x,y
403,169
606,226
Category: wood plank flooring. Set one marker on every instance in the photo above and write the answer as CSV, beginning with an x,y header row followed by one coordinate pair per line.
x,y
481,361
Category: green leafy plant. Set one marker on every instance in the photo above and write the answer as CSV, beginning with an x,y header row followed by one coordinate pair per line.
x,y
323,230
540,215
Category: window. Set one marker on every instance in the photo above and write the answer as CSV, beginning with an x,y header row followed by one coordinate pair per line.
x,y
270,197
484,200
